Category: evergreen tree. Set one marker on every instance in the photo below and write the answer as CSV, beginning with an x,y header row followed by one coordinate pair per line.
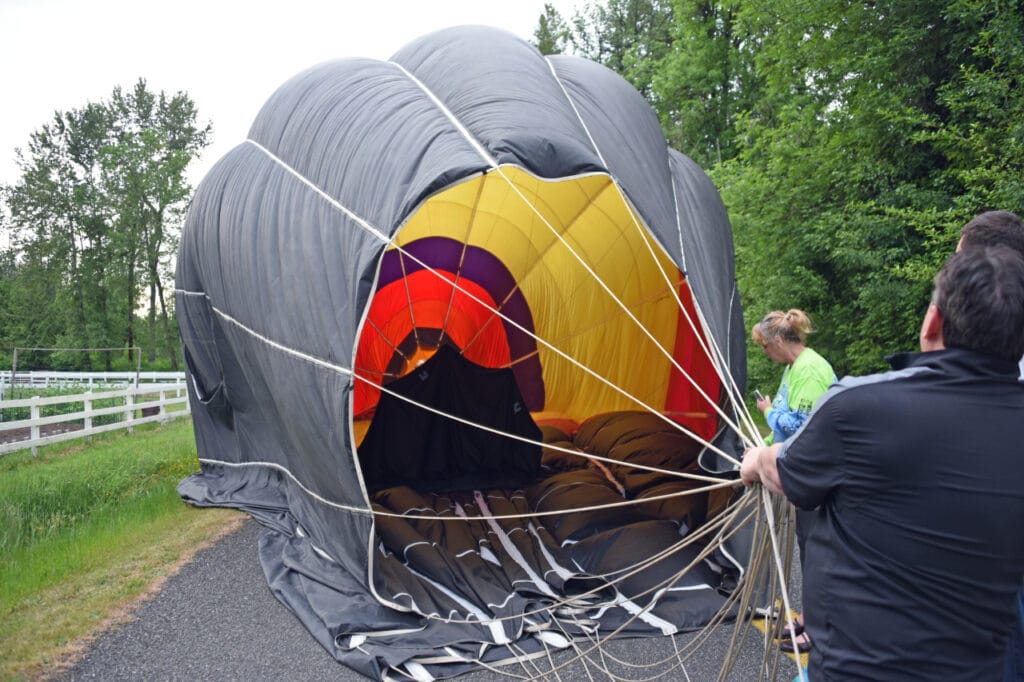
x,y
552,33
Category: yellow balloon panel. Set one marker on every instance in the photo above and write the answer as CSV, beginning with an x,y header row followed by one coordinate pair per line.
x,y
599,288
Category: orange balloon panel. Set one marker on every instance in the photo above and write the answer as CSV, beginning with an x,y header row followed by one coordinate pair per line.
x,y
410,317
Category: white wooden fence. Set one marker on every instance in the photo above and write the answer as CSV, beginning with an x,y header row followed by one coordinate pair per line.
x,y
47,379
132,411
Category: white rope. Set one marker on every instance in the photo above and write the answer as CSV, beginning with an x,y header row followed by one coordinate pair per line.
x,y
714,353
777,558
598,643
716,482
630,570
362,223
719,523
573,510
579,117
322,194
721,365
469,137
550,446
639,326
456,123
718,357
735,394
627,572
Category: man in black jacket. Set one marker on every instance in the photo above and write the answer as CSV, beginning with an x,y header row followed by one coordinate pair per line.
x,y
1002,228
915,563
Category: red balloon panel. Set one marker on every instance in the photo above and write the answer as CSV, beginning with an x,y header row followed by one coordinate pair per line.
x,y
414,314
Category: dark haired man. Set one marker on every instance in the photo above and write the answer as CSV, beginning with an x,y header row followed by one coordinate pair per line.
x,y
1002,228
916,560
993,228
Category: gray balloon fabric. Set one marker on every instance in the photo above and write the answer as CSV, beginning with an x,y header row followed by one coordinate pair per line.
x,y
380,210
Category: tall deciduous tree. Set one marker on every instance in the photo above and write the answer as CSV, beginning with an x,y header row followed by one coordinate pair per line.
x,y
866,151
629,36
94,218
144,174
849,140
55,209
707,81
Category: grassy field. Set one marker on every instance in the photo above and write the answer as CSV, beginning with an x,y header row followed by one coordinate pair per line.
x,y
86,531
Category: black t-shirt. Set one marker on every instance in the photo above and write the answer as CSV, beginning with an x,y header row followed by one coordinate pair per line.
x,y
912,570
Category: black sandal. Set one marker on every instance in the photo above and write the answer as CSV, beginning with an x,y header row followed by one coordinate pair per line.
x,y
803,644
797,629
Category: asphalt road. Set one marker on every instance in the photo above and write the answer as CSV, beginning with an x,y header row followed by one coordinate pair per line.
x,y
217,620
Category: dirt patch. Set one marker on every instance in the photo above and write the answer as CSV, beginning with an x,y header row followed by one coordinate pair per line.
x,y
25,433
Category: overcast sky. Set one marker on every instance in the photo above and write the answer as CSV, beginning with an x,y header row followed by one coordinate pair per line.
x,y
229,55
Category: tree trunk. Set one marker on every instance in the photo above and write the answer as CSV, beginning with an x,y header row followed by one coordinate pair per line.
x,y
131,310
105,307
154,237
152,322
79,293
171,338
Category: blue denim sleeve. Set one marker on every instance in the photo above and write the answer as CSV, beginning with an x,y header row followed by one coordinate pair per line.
x,y
784,422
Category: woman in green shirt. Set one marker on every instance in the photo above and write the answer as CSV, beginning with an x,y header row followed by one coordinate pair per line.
x,y
783,337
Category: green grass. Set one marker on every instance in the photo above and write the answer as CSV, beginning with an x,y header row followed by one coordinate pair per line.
x,y
48,496
85,530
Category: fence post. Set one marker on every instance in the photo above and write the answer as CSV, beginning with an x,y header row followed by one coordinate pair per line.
x,y
129,409
34,429
87,405
163,407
